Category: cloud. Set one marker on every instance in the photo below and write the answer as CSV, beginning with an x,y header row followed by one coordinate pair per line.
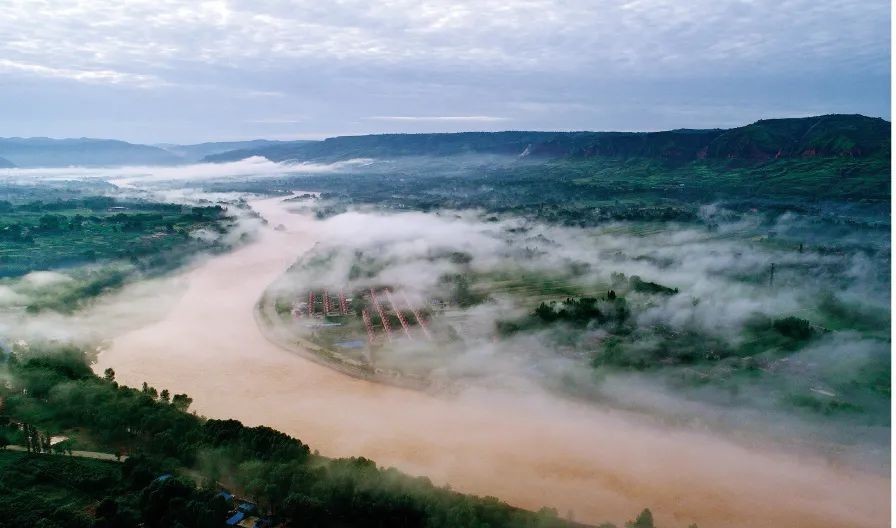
x,y
87,76
262,93
212,66
435,119
255,166
641,35
277,120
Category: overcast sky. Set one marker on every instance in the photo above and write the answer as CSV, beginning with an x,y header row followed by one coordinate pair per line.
x,y
189,71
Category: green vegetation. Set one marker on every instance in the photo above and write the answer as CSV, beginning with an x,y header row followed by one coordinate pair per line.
x,y
642,286
768,353
52,390
55,491
44,235
611,311
659,346
96,244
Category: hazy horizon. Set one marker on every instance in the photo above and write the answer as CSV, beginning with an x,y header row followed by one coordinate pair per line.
x,y
388,132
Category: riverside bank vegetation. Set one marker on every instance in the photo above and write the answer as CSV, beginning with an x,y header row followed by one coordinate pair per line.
x,y
176,464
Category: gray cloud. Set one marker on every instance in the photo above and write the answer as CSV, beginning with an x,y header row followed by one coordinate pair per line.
x,y
197,68
436,119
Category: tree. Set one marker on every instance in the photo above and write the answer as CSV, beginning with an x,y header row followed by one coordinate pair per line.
x,y
794,328
165,395
4,441
310,510
181,401
63,447
545,312
38,440
50,222
644,520
109,374
149,391
27,433
107,508
34,441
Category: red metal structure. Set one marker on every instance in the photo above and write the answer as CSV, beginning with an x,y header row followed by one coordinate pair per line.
x,y
310,303
401,319
370,335
343,306
420,320
326,303
379,310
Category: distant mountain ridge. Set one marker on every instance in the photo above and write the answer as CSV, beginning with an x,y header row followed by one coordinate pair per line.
x,y
88,152
197,151
836,135
765,140
92,152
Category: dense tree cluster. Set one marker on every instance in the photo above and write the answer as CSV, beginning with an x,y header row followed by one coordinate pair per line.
x,y
611,311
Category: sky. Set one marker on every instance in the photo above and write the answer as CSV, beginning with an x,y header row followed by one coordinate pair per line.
x,y
189,71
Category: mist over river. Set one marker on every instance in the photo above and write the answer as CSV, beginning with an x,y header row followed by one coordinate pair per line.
x,y
530,449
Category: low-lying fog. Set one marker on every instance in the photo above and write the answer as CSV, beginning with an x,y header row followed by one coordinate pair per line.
x,y
505,432
724,283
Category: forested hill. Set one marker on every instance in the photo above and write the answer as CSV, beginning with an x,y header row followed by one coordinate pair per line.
x,y
836,135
